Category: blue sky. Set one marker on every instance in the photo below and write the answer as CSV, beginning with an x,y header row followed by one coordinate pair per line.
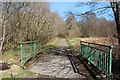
x,y
63,7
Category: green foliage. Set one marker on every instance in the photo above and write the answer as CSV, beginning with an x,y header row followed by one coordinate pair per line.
x,y
72,47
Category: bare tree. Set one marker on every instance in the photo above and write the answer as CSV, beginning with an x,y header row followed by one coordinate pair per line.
x,y
25,21
115,4
0,26
6,14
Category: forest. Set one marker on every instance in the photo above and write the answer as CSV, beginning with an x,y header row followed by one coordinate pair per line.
x,y
34,21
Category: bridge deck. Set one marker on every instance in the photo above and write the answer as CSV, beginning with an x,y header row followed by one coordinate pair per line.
x,y
59,64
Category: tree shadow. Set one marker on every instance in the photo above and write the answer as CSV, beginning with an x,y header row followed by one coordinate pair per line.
x,y
94,72
62,51
82,67
79,64
116,68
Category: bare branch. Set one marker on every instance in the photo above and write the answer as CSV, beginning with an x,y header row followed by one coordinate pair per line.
x,y
93,10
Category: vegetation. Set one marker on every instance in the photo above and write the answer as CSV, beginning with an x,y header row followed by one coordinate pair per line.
x,y
20,73
50,45
90,26
74,44
11,56
27,21
26,25
21,23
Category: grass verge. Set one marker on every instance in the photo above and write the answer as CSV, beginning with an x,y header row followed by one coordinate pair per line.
x,y
10,56
72,44
18,73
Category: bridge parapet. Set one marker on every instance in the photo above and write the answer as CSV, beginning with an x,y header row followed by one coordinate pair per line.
x,y
29,50
99,55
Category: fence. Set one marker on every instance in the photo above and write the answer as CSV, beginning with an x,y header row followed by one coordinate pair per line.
x,y
99,55
29,50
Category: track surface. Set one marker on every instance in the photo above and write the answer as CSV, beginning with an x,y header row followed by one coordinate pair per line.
x,y
60,63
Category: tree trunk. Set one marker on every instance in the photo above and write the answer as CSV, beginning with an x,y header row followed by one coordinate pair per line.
x,y
117,19
3,39
118,31
116,11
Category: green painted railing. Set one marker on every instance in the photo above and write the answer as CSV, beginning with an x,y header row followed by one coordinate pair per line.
x,y
99,55
29,50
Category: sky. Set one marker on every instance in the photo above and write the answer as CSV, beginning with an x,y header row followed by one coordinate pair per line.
x,y
63,7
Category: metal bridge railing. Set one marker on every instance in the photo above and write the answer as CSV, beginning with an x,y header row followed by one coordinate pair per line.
x,y
29,50
99,55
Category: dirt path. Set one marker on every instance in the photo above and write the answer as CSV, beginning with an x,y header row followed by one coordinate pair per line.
x,y
62,43
57,63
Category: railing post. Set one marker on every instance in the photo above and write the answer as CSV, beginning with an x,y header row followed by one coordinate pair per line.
x,y
89,53
40,47
21,64
81,48
34,49
110,62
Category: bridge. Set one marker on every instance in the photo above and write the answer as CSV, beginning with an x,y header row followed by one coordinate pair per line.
x,y
94,60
